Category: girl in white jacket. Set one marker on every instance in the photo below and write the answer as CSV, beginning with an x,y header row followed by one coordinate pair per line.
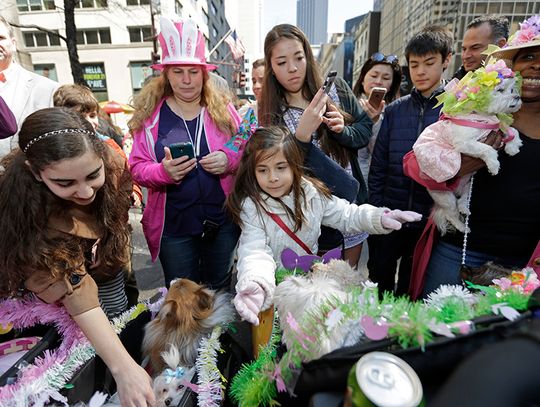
x,y
271,187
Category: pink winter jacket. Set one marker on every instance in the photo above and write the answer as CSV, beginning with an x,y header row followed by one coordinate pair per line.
x,y
147,172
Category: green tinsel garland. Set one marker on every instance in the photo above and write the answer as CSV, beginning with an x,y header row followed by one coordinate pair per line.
x,y
253,386
409,324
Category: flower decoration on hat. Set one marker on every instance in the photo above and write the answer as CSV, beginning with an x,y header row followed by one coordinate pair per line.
x,y
474,91
529,31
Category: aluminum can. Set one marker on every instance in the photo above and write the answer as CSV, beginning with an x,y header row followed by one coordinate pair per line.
x,y
380,379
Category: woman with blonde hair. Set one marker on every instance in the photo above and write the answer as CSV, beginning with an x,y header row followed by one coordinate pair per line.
x,y
184,222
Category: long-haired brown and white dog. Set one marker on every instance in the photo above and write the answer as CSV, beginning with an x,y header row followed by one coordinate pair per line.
x,y
189,312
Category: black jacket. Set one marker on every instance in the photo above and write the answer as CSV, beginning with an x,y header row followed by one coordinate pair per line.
x,y
404,120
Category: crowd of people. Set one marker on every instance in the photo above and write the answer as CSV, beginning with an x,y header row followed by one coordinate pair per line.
x,y
325,169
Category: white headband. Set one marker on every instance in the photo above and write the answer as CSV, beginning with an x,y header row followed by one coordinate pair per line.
x,y
54,133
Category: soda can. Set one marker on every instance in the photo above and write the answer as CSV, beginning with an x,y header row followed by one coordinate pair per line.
x,y
380,379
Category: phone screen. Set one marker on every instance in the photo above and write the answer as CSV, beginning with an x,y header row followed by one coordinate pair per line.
x,y
182,149
376,97
330,78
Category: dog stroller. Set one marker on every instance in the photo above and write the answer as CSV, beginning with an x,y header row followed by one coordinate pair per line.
x,y
414,333
60,365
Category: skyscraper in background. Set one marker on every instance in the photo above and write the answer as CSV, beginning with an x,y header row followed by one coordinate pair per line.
x,y
312,19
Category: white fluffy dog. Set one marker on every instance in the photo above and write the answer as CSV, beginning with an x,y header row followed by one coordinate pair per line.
x,y
472,108
170,385
306,293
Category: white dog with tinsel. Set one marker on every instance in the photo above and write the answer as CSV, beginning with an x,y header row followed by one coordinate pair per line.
x,y
303,295
473,107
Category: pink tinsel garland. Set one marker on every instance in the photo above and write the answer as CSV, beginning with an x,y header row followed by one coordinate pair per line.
x,y
30,311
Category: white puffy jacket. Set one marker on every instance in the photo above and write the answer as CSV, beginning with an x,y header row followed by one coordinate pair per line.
x,y
262,240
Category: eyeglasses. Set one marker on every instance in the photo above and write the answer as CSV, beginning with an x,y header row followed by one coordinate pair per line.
x,y
380,57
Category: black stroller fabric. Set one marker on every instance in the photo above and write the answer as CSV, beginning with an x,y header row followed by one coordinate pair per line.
x,y
49,340
236,345
433,365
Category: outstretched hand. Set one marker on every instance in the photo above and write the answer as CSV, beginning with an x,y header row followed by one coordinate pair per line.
x,y
248,302
135,387
394,219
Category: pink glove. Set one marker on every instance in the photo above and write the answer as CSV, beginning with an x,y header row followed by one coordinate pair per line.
x,y
249,301
394,219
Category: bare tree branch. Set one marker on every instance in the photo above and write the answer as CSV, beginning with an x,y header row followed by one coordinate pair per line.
x,y
38,27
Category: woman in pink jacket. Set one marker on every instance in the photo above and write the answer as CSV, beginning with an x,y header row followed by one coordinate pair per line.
x,y
184,222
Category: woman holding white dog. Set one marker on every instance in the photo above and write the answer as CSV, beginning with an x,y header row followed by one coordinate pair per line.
x,y
505,221
278,207
181,127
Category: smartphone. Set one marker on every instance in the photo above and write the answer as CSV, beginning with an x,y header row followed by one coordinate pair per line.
x,y
376,96
181,149
330,78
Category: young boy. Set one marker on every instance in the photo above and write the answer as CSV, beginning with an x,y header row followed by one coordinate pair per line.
x,y
428,54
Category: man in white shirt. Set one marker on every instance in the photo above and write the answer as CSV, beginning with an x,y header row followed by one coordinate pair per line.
x,y
24,91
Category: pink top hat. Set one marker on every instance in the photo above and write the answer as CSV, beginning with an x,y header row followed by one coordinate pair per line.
x,y
181,44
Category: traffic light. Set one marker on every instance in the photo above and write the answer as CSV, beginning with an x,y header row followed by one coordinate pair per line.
x,y
155,57
242,81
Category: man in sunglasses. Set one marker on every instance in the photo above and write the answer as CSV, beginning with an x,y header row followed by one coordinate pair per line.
x,y
482,31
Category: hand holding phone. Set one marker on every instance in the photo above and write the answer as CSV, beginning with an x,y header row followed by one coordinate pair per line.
x,y
376,97
177,170
330,78
182,149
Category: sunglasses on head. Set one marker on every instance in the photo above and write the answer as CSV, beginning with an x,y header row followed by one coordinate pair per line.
x,y
380,57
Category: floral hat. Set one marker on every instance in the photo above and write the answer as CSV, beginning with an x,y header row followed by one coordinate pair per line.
x,y
181,44
527,36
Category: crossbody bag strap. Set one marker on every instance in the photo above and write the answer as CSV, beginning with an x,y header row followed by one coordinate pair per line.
x,y
291,234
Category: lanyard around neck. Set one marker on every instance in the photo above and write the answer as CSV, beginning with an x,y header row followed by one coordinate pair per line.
x,y
198,132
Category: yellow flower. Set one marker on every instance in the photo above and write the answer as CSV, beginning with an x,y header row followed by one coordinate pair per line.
x,y
488,79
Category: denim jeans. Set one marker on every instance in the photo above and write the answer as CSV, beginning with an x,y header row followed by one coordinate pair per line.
x,y
205,261
445,263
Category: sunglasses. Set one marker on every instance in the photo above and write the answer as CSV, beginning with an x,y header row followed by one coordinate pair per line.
x,y
380,57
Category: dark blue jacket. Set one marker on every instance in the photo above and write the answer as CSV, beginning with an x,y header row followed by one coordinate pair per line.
x,y
404,120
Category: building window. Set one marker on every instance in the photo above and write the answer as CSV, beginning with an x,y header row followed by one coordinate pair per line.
x,y
35,5
95,36
140,73
481,8
96,80
214,9
205,17
91,4
138,2
40,39
46,70
520,7
140,34
508,8
494,8
214,31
